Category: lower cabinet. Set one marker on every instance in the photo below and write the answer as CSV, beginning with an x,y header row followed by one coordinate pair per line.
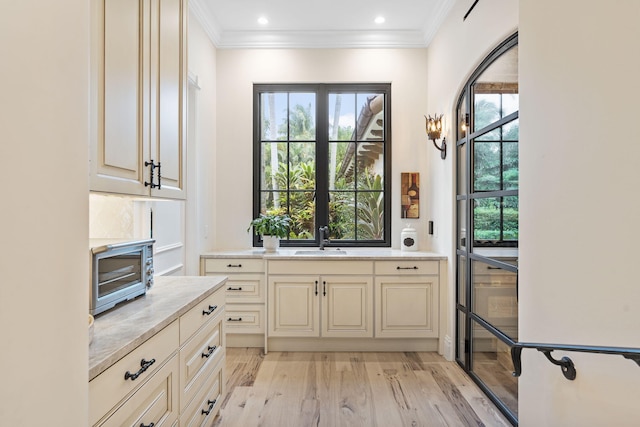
x,y
174,378
314,306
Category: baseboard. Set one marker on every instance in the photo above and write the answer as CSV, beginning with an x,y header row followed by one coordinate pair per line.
x,y
448,348
352,344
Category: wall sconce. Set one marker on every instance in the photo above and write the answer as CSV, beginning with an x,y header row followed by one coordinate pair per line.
x,y
434,127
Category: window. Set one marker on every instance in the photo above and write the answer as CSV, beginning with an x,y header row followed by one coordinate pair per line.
x,y
322,155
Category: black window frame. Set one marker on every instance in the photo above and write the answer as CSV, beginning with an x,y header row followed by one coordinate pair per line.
x,y
322,91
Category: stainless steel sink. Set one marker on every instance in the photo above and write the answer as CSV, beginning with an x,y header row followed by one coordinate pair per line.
x,y
318,252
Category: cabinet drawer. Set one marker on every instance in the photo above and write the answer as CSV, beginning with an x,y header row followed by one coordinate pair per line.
x,y
155,403
197,357
320,267
233,265
204,407
195,318
244,288
108,388
244,319
406,267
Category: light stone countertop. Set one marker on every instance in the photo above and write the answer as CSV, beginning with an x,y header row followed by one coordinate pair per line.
x,y
120,330
313,253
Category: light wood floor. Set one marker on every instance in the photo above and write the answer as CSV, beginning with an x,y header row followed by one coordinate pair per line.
x,y
298,389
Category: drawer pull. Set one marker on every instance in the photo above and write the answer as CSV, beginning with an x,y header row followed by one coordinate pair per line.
x,y
234,265
316,287
150,425
212,308
235,289
324,288
144,365
211,350
211,404
407,268
231,319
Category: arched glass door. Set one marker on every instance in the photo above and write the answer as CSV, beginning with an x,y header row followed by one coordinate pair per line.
x,y
487,225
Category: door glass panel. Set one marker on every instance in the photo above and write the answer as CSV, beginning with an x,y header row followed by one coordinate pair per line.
x,y
495,297
462,225
461,348
462,119
495,220
462,280
462,168
493,365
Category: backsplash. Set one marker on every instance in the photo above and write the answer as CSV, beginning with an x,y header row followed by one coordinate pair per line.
x,y
110,217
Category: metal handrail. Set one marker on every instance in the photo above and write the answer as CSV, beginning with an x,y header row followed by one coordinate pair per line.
x,y
566,364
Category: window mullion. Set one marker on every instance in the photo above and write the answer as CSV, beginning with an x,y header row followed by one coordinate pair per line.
x,y
322,156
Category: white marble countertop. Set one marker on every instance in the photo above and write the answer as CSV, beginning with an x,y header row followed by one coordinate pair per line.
x,y
332,253
120,330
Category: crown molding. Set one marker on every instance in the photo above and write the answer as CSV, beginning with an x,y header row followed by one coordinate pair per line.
x,y
206,19
321,39
432,25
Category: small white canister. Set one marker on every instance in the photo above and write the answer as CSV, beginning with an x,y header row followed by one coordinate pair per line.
x,y
409,239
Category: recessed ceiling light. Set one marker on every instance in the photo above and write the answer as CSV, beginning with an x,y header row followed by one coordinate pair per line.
x,y
379,20
263,20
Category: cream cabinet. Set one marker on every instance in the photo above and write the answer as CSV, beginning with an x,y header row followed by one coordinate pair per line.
x,y
138,97
244,297
176,377
407,299
328,305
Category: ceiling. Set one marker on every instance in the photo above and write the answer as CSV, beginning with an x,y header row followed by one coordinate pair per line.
x,y
320,23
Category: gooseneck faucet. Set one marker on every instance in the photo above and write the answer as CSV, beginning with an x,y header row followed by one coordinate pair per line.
x,y
324,237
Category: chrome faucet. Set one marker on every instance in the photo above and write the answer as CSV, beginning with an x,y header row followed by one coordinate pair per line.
x,y
324,237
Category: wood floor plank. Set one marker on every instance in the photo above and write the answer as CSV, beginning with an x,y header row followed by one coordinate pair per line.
x,y
300,389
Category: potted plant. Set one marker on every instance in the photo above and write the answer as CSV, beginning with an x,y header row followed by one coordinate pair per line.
x,y
272,227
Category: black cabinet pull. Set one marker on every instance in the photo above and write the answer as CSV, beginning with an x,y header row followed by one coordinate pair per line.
x,y
210,352
324,288
235,289
407,268
211,404
159,176
150,425
231,319
212,308
316,287
144,365
234,265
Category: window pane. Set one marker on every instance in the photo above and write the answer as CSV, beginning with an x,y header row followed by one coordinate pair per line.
x,y
370,215
510,218
302,113
342,215
302,168
273,201
342,116
493,365
510,170
273,120
273,172
510,103
486,219
370,172
486,166
462,168
341,165
462,118
302,211
511,131
494,135
370,122
486,110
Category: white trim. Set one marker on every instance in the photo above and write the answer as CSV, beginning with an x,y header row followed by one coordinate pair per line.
x,y
206,19
432,25
168,248
170,271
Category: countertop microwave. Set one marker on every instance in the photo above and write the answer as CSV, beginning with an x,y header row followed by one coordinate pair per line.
x,y
121,270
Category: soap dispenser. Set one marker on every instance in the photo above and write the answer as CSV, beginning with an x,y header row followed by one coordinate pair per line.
x,y
409,239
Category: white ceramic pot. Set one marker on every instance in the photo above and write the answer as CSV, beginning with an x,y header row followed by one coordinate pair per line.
x,y
270,243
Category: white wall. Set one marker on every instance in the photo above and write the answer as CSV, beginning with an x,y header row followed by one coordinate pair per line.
x,y
406,69
201,182
455,52
44,297
579,208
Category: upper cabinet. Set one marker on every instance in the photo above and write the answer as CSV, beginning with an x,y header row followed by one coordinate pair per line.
x,y
138,89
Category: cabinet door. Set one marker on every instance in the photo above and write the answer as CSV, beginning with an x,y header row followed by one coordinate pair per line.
x,y
406,307
120,35
347,306
294,306
168,99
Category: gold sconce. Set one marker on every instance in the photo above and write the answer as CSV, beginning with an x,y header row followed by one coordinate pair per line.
x,y
434,126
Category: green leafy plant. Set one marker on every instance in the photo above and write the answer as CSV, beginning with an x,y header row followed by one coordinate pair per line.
x,y
271,224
